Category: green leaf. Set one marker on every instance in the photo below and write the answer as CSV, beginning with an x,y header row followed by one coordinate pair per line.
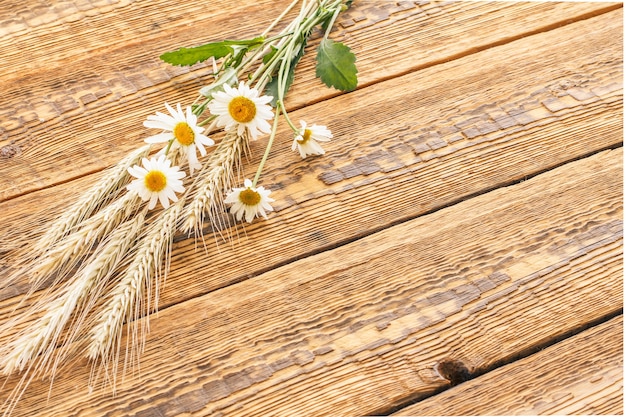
x,y
189,56
250,43
335,65
268,56
271,88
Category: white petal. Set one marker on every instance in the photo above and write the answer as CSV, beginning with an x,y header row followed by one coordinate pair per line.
x,y
160,138
193,167
264,126
193,159
205,140
250,212
137,171
153,200
232,197
316,148
163,199
176,176
132,187
180,112
264,99
228,91
266,206
157,124
200,148
164,118
237,212
170,194
191,118
147,163
163,161
171,110
178,187
241,128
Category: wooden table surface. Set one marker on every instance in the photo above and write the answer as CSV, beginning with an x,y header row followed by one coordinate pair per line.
x,y
465,222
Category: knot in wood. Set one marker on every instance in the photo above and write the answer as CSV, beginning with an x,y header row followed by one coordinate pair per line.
x,y
453,370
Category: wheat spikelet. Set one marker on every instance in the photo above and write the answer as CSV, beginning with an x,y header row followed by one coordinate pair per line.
x,y
87,203
62,260
211,182
66,253
130,298
35,349
40,339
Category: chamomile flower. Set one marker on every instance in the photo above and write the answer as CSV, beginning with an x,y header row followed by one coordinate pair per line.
x,y
250,201
242,108
183,129
306,138
156,180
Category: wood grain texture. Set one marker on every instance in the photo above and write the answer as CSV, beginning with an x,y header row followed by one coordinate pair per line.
x,y
92,75
469,207
473,133
580,375
358,329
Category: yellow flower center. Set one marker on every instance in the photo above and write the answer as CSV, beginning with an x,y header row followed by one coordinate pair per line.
x,y
155,181
242,109
184,134
305,136
249,197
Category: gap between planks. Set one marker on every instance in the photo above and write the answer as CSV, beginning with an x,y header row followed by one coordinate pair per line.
x,y
288,341
302,88
595,117
578,375
609,8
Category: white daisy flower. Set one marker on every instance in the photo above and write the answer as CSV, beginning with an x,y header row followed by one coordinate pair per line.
x,y
249,201
306,139
242,108
183,130
156,180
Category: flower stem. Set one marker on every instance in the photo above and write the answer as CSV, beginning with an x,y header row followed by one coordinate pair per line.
x,y
332,21
269,144
289,122
280,17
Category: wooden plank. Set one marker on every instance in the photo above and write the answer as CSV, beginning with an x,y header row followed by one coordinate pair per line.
x,y
580,375
77,104
357,329
472,134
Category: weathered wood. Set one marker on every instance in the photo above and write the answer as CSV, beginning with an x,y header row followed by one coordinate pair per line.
x,y
93,75
344,301
357,329
581,375
472,134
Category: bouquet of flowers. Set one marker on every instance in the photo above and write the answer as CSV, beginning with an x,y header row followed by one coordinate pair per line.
x,y
99,265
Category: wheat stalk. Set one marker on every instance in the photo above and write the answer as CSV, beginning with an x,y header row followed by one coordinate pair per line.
x,y
97,196
210,184
130,298
40,339
67,252
62,258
